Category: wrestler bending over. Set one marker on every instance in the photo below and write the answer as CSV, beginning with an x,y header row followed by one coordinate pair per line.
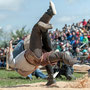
x,y
39,52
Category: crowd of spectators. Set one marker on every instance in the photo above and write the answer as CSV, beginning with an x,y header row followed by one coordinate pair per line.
x,y
73,39
2,57
3,52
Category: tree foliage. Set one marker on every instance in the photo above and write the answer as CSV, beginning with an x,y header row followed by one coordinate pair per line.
x,y
4,39
20,33
1,33
6,36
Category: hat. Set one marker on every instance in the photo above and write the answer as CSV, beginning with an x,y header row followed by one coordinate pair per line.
x,y
84,50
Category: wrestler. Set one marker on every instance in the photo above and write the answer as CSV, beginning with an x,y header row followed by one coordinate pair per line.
x,y
28,60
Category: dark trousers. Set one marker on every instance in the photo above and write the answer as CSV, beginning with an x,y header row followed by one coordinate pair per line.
x,y
39,37
40,40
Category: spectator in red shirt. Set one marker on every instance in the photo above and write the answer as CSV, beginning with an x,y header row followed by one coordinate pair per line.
x,y
84,22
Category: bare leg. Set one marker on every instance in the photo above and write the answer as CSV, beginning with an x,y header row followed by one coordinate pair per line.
x,y
11,60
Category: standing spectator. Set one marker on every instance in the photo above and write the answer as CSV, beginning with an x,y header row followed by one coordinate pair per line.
x,y
84,56
67,46
76,45
69,36
78,53
88,35
0,63
89,54
84,23
88,25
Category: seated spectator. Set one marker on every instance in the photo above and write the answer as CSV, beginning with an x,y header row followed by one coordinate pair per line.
x,y
2,63
81,37
77,34
55,44
63,49
85,39
78,53
72,41
84,56
62,39
67,46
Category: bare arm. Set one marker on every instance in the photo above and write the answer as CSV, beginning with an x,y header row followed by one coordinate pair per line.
x,y
10,47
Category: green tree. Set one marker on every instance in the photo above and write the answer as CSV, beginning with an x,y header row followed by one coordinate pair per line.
x,y
4,39
6,36
1,33
20,33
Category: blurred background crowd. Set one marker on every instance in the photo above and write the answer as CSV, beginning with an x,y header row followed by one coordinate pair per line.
x,y
73,39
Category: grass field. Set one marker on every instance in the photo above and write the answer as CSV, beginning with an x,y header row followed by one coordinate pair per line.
x,y
12,78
